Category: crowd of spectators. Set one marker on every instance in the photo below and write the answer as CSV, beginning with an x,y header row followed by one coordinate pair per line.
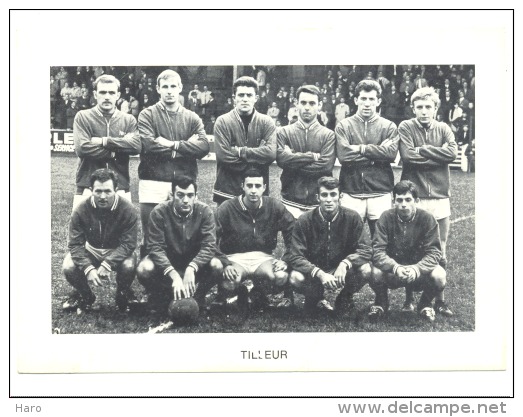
x,y
455,84
73,92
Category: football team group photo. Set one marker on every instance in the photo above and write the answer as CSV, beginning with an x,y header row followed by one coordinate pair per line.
x,y
262,198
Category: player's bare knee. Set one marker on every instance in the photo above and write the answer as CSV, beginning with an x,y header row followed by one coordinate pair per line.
x,y
128,266
439,277
68,266
145,269
216,266
280,278
296,279
376,276
366,272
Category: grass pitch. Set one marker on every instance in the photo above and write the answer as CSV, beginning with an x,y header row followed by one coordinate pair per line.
x,y
460,291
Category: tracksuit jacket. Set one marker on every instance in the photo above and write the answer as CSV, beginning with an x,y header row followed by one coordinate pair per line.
x,y
426,154
115,228
415,243
240,231
159,163
366,171
177,241
237,150
300,170
321,244
121,139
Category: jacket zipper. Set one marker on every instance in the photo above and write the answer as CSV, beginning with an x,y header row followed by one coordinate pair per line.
x,y
102,236
365,136
107,123
426,141
328,243
184,240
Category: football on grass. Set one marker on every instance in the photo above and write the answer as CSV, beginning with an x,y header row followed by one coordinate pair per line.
x,y
183,311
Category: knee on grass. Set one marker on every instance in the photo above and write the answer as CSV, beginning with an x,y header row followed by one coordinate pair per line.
x,y
438,277
296,279
145,270
216,266
376,277
68,266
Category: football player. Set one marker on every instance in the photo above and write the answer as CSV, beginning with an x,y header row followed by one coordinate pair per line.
x,y
173,138
247,231
244,138
427,148
181,243
329,250
406,253
102,240
104,137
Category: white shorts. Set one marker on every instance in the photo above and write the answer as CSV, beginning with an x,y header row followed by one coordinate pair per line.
x,y
154,191
78,198
370,208
438,207
250,261
295,211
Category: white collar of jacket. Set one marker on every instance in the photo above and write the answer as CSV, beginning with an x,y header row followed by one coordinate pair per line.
x,y
116,112
244,208
371,120
299,124
113,207
333,219
430,126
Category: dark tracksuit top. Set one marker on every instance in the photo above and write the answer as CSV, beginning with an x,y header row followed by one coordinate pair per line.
x,y
159,163
176,241
366,173
300,170
237,150
240,231
318,243
398,243
426,154
115,228
121,139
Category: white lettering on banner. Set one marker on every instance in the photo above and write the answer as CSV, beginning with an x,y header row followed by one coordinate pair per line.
x,y
68,138
62,141
62,148
56,137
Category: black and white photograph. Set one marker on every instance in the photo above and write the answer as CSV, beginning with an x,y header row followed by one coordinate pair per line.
x,y
216,206
255,149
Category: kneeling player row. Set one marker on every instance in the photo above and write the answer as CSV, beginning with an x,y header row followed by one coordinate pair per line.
x,y
189,250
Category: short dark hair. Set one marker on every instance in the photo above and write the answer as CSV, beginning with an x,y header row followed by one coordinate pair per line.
x,y
103,175
311,89
184,182
330,183
245,82
368,85
404,187
252,172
